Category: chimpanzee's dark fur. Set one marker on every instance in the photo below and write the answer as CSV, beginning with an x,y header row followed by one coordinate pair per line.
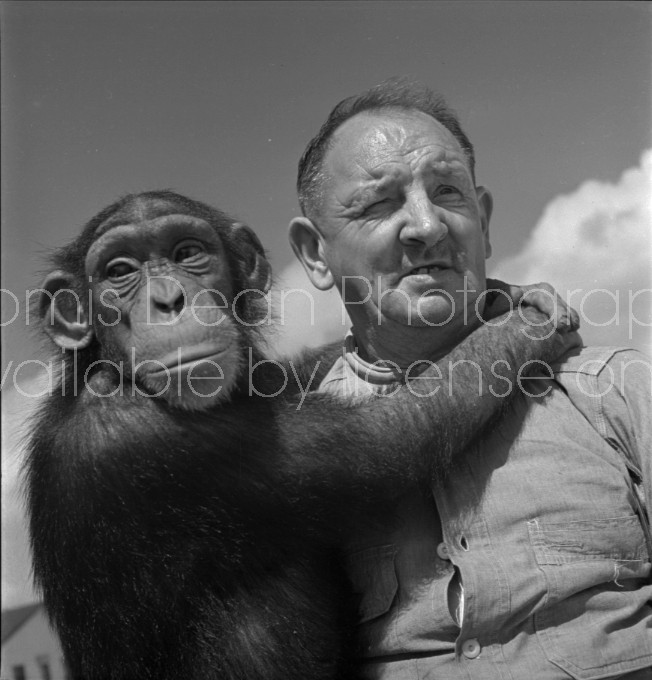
x,y
202,545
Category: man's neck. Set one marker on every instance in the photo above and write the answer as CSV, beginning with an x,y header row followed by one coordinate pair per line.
x,y
402,346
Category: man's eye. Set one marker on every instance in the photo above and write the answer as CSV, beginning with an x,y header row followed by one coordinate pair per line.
x,y
377,207
447,191
119,268
185,251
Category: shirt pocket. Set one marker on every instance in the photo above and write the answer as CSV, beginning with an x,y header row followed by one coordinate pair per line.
x,y
373,577
594,621
580,554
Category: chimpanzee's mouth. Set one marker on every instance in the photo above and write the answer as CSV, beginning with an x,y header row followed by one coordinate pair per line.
x,y
184,358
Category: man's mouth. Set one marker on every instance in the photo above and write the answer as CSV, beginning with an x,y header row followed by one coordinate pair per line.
x,y
428,270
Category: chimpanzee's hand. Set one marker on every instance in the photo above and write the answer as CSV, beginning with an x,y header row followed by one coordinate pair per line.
x,y
503,297
538,326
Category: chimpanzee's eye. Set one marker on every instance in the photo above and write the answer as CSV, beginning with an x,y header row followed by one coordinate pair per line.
x,y
116,269
187,250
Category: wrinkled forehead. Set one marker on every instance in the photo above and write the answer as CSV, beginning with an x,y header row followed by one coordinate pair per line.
x,y
372,142
115,227
158,232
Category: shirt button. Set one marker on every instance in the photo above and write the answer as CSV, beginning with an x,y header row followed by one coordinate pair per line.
x,y
442,551
471,648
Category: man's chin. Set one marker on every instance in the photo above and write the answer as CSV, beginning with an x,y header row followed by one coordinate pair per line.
x,y
425,312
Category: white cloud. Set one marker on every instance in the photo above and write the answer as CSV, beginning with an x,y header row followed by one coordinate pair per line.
x,y
595,246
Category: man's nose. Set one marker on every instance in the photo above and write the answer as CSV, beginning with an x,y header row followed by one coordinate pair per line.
x,y
423,224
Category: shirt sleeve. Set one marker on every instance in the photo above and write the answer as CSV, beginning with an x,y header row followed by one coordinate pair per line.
x,y
627,411
613,389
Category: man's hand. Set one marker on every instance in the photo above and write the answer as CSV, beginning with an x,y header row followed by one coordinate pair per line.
x,y
503,297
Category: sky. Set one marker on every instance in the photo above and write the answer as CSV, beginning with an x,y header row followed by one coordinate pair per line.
x,y
218,99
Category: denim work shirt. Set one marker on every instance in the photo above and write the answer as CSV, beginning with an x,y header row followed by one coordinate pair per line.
x,y
530,562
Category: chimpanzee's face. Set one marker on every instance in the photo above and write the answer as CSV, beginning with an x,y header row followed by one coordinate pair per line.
x,y
161,306
161,292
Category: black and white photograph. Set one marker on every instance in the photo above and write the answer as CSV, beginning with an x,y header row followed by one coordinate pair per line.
x,y
326,340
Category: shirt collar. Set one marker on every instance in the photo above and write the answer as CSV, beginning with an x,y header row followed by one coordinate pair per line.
x,y
376,373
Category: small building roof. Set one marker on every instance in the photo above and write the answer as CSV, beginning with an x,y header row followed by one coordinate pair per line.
x,y
13,619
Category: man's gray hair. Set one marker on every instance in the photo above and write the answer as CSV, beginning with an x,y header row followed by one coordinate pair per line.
x,y
394,93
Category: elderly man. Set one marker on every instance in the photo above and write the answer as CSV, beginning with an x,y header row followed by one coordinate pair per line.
x,y
531,560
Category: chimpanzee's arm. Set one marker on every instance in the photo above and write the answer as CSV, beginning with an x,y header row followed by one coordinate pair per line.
x,y
316,446
316,451
373,449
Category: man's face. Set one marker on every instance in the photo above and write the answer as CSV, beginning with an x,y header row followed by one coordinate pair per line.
x,y
402,218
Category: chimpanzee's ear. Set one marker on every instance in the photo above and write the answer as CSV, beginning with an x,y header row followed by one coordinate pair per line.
x,y
257,269
62,313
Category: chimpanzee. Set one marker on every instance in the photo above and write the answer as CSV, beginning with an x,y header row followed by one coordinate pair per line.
x,y
186,497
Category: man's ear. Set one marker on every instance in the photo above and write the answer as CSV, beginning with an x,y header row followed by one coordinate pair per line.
x,y
307,242
62,313
257,269
486,202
